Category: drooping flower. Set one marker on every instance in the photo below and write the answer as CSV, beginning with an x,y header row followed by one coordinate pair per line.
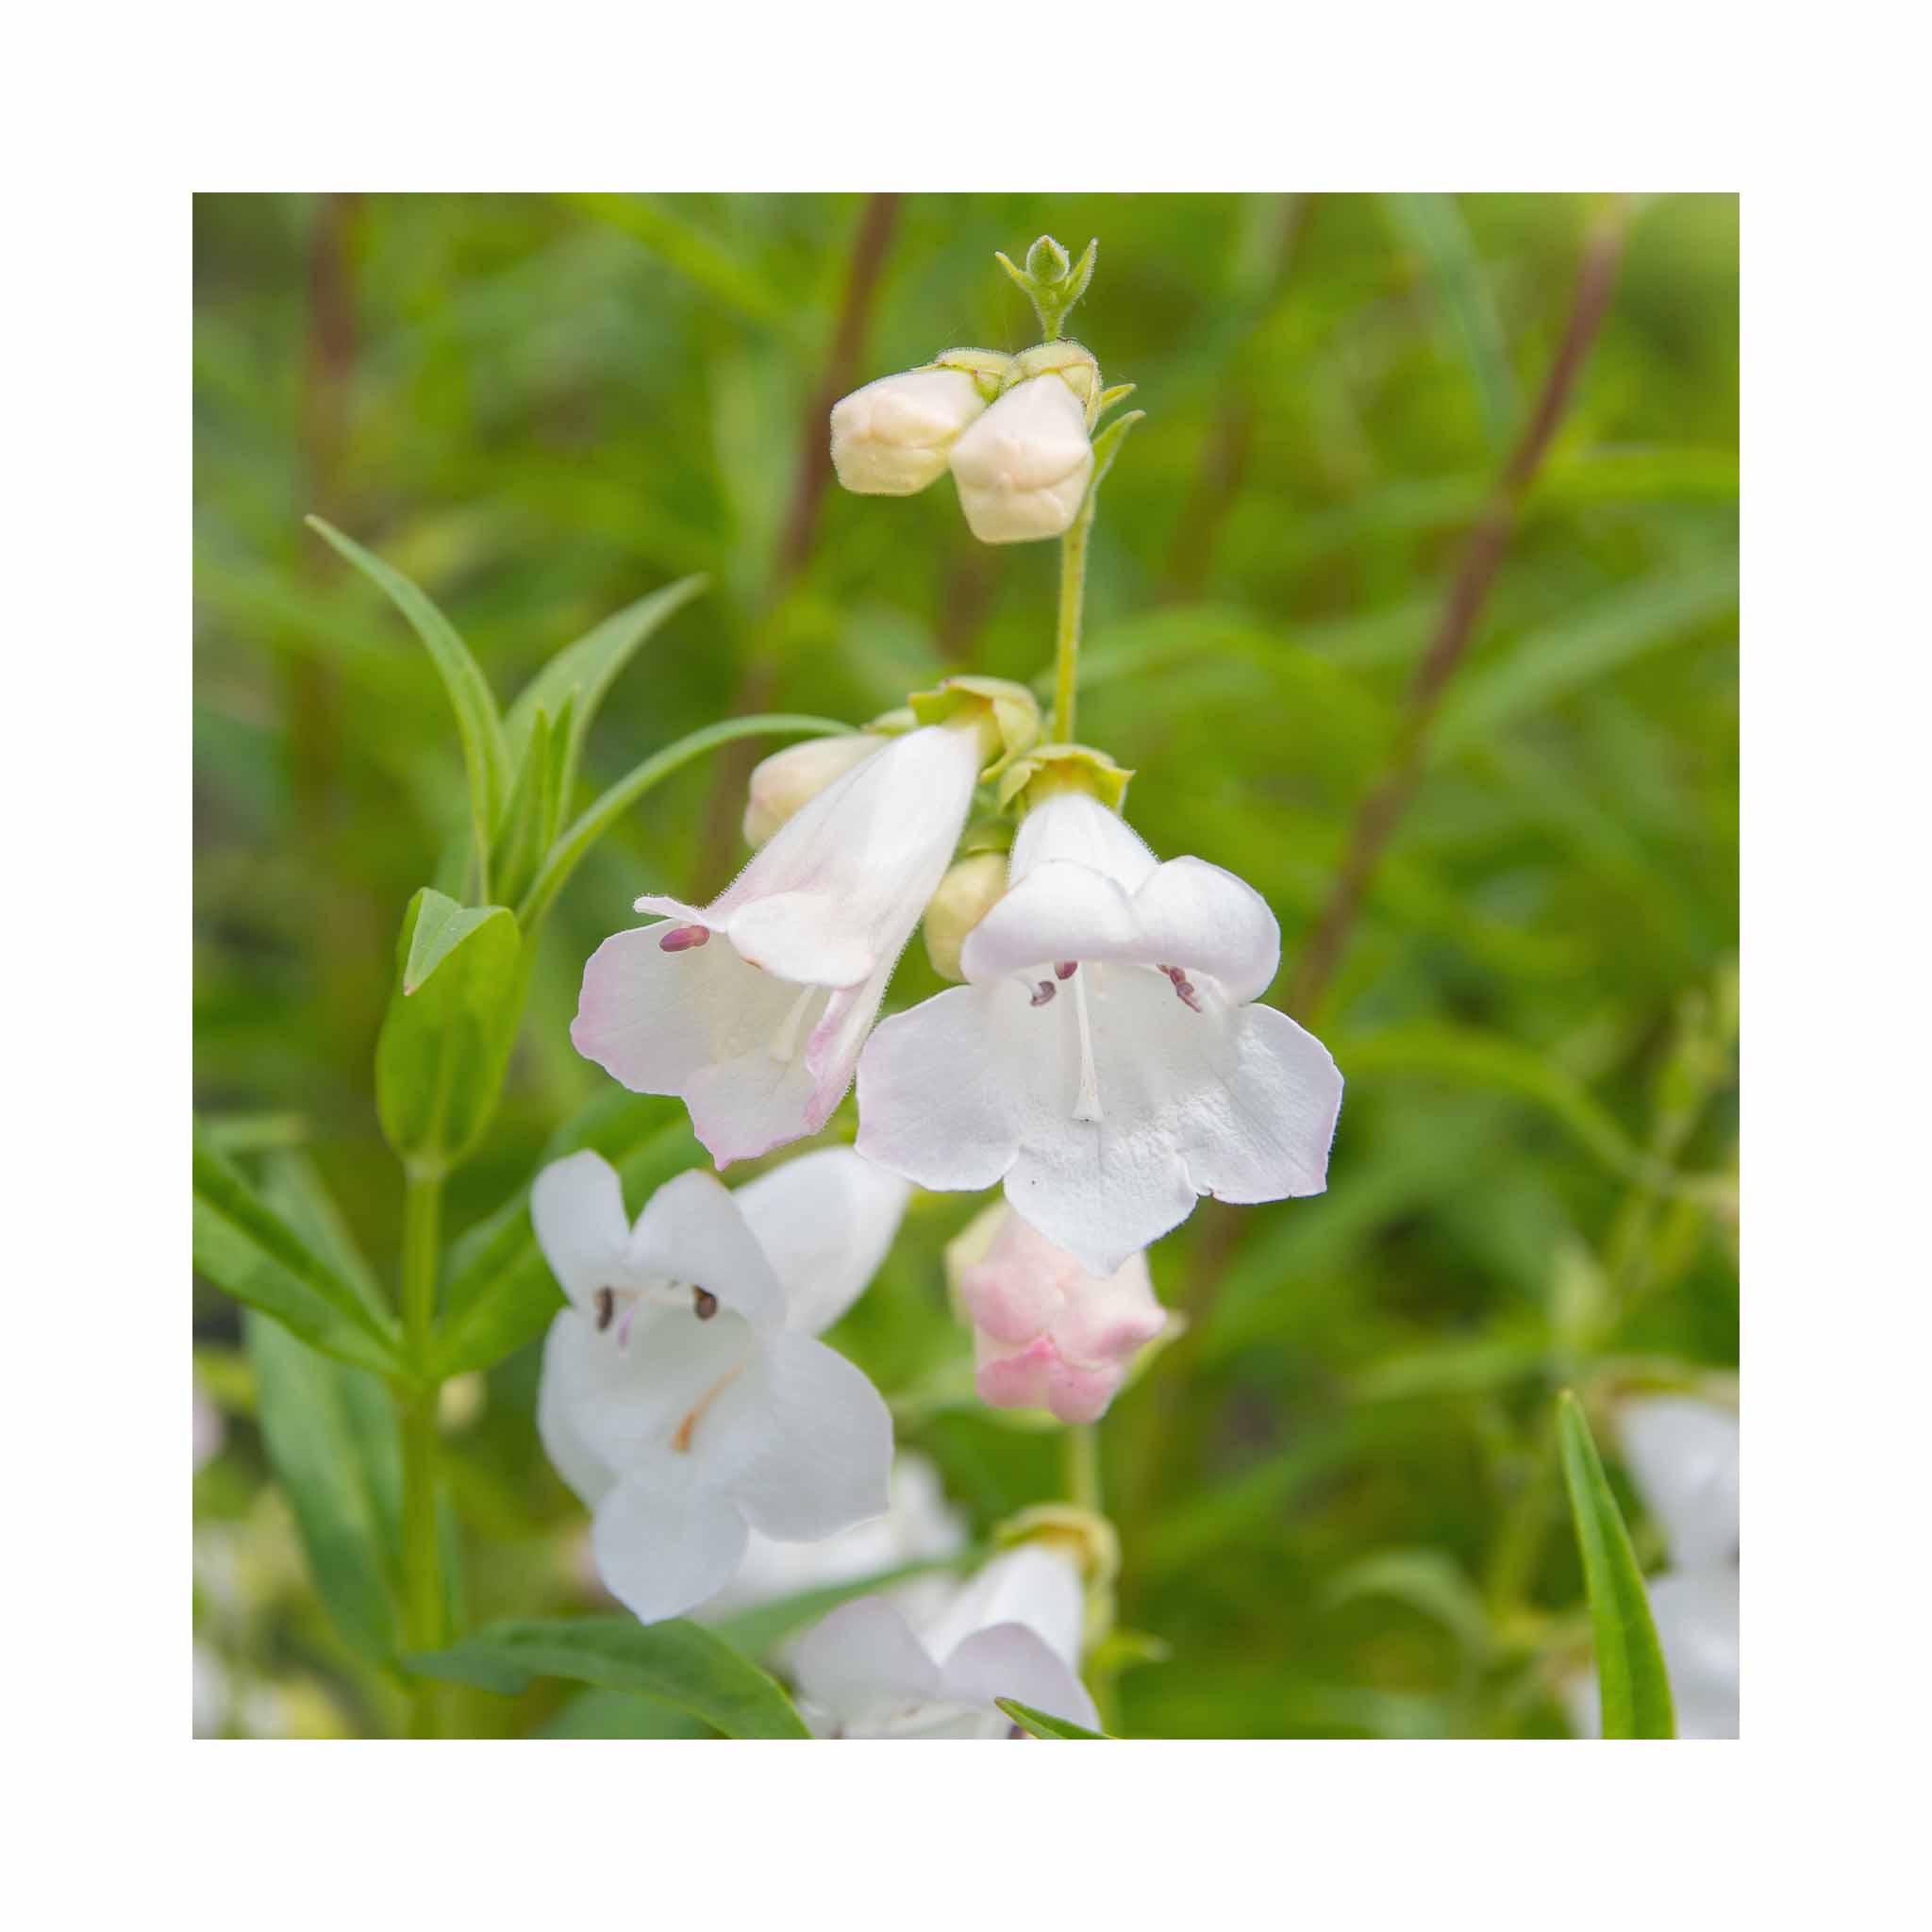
x,y
1047,1333
1022,468
1105,1060
892,438
1014,1631
1682,1455
683,1397
752,1008
789,780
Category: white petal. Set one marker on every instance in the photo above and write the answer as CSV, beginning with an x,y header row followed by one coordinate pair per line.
x,y
825,1221
934,1103
693,1231
1683,1457
891,438
1074,825
1031,1585
831,1053
665,1540
860,1666
569,1352
1059,910
807,937
577,1209
1010,1660
1195,916
1696,1616
1022,468
801,1441
787,781
1261,1129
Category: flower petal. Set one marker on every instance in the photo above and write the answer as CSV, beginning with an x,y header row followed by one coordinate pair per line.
x,y
1683,1457
664,1539
933,1101
569,1352
1074,825
692,1230
577,1209
1202,919
860,1666
1696,1616
801,1440
825,1221
1059,910
831,1053
807,938
1032,1585
1010,1660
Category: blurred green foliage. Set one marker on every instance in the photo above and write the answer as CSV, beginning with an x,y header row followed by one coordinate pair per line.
x,y
1338,1492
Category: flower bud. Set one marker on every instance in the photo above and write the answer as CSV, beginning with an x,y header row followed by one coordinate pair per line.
x,y
1048,1334
891,438
1022,467
967,893
791,778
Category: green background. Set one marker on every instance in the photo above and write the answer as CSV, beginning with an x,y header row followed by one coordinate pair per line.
x,y
1338,1493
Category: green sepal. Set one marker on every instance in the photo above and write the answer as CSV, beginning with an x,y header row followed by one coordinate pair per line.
x,y
1051,768
1008,715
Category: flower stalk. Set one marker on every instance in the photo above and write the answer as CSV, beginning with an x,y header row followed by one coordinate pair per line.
x,y
416,1413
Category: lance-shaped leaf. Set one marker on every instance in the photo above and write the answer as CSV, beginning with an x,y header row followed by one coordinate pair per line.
x,y
1037,1723
462,975
1629,1660
528,828
485,758
679,1663
249,1251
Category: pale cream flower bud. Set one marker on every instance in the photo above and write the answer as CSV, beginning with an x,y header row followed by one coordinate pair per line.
x,y
967,893
793,777
891,437
1022,467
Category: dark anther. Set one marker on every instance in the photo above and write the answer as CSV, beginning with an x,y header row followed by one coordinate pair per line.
x,y
1185,988
680,938
703,1303
1066,969
605,1301
1047,990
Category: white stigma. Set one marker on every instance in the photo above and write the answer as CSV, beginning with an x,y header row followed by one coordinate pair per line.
x,y
1087,1101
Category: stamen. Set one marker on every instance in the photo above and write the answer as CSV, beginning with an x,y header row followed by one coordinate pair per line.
x,y
680,938
1087,1101
1066,969
681,1440
1047,990
1184,989
703,1303
605,1302
784,1046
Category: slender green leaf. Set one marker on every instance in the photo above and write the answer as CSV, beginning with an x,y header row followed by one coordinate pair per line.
x,y
525,832
462,975
679,1663
1629,1660
501,1292
485,756
1038,1724
568,850
621,1714
330,1439
249,1251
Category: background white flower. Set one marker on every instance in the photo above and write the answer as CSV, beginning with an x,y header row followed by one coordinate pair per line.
x,y
892,438
683,1397
1103,1060
1022,468
1013,1631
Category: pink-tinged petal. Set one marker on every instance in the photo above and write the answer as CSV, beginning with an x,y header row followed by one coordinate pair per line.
x,y
577,1209
934,1103
1012,1660
1195,916
1020,1286
831,1053
1076,1393
1262,1131
1109,1321
1034,1585
1683,1458
1014,1377
1059,910
804,937
692,1232
825,1221
862,1667
1075,826
801,1441
665,1540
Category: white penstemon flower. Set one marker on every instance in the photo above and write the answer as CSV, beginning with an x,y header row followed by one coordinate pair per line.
x,y
1682,1455
1023,467
1104,1061
683,1397
1014,1631
893,437
752,1008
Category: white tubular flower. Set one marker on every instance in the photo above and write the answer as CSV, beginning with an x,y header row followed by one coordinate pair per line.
x,y
1014,1632
891,437
1047,1334
1022,468
1682,1455
782,784
752,1008
1103,1060
683,1397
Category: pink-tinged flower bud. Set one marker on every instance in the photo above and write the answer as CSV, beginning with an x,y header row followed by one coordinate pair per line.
x,y
1022,468
968,893
794,776
891,437
1048,1334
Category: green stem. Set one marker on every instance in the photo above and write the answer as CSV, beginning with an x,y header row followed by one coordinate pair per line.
x,y
1067,638
416,1413
1083,1466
